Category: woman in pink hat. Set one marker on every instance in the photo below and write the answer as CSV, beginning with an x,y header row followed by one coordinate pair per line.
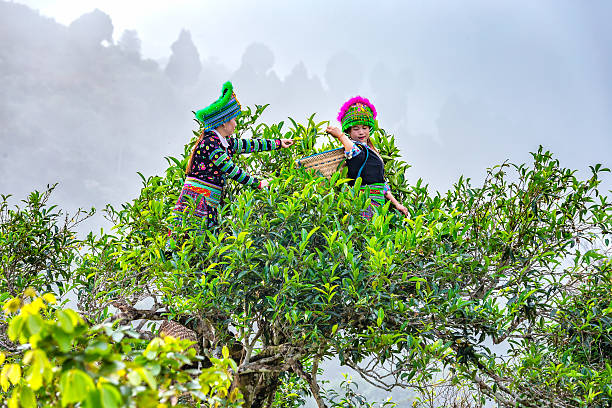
x,y
357,117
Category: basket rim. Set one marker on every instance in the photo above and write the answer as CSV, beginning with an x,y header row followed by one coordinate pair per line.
x,y
316,154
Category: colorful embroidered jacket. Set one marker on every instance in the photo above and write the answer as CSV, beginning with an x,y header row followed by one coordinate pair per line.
x,y
213,163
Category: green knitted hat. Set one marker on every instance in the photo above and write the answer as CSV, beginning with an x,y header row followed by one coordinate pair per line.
x,y
222,110
357,111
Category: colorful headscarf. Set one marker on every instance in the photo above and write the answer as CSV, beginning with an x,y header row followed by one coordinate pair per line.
x,y
357,111
222,110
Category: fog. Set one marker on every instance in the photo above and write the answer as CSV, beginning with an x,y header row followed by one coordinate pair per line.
x,y
92,92
462,88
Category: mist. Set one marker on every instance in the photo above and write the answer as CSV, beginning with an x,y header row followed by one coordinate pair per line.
x,y
81,105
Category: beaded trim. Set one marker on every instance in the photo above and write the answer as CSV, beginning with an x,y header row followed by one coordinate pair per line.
x,y
357,111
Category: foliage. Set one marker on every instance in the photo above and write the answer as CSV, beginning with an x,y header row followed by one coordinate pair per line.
x,y
351,397
294,276
38,246
66,362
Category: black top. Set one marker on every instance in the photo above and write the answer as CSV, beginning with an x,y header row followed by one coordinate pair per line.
x,y
374,169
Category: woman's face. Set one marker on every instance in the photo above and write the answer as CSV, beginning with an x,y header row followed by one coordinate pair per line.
x,y
229,127
360,133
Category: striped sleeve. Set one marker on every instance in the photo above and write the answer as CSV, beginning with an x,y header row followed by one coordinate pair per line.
x,y
255,145
225,163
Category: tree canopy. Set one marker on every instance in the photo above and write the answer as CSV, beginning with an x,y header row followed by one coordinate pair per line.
x,y
498,292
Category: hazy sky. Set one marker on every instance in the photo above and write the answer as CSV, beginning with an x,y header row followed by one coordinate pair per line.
x,y
474,82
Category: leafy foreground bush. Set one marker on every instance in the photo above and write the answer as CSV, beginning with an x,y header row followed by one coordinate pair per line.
x,y
295,276
63,362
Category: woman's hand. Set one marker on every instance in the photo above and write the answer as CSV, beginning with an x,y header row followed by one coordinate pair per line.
x,y
402,209
334,131
287,142
263,184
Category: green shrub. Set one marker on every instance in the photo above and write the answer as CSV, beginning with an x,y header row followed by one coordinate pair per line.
x,y
64,362
295,276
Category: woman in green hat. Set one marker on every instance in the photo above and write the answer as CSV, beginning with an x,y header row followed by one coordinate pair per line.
x,y
210,162
357,117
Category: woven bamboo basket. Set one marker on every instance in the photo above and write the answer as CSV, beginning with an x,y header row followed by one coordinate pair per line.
x,y
176,330
326,163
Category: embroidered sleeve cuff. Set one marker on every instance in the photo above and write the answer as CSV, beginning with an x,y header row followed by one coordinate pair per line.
x,y
353,152
387,188
255,145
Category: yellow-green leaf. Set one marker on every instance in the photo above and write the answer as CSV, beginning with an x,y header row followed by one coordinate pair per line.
x,y
148,377
12,305
64,321
27,398
74,316
93,400
14,400
37,370
110,396
4,381
63,339
134,378
14,373
35,324
74,386
15,327
29,292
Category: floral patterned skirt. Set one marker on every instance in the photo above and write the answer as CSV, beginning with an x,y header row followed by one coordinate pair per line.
x,y
377,195
197,205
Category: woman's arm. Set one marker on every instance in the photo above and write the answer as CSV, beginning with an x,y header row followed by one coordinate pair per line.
x,y
344,139
396,204
224,163
351,149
